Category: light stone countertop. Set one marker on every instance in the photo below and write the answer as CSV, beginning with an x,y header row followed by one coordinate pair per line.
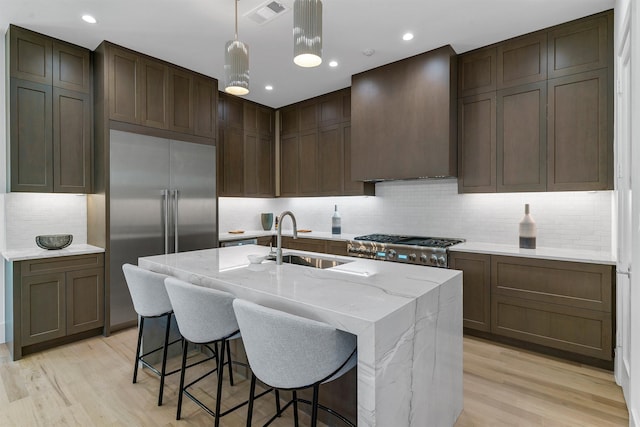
x,y
408,320
36,252
557,254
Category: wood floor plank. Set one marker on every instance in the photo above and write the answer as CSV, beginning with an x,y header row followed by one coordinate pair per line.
x,y
88,384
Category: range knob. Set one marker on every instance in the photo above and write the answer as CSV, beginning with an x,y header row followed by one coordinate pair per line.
x,y
412,257
391,254
442,261
433,260
424,258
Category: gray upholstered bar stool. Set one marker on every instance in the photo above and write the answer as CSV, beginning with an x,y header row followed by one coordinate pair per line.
x,y
204,316
289,352
150,299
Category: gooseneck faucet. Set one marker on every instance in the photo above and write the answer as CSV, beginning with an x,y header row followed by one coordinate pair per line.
x,y
279,240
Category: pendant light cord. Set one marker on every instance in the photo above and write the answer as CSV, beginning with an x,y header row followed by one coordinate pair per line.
x,y
236,2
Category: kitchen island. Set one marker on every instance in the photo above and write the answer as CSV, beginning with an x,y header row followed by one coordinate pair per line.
x,y
408,320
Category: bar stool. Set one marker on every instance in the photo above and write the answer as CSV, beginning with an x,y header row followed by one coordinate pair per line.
x,y
289,352
150,300
204,316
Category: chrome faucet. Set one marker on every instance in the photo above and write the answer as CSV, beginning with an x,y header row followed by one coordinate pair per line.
x,y
279,239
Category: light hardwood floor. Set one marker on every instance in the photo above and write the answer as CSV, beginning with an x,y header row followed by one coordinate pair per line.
x,y
89,384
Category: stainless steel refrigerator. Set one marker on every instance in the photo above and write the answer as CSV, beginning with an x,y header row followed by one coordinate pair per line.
x,y
162,200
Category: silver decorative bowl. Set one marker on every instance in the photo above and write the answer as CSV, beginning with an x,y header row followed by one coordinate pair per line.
x,y
54,241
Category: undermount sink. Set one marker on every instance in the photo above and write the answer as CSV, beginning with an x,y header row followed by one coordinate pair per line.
x,y
309,261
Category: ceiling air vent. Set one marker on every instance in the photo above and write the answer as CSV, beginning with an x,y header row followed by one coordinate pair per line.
x,y
266,12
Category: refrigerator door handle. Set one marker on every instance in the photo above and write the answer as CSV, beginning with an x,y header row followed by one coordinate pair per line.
x,y
175,220
165,220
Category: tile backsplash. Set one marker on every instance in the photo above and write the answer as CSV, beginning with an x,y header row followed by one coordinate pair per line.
x,y
28,215
579,220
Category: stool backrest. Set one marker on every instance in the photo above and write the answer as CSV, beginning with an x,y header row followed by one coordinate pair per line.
x,y
147,291
287,351
203,314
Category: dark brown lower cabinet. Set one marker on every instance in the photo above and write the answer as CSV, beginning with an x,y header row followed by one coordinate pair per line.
x,y
545,305
558,304
476,289
334,247
53,301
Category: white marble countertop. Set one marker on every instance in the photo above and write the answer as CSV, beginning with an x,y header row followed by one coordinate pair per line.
x,y
250,234
408,320
36,252
557,254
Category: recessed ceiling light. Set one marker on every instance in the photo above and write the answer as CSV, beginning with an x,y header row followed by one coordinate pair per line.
x,y
333,64
88,18
407,36
268,87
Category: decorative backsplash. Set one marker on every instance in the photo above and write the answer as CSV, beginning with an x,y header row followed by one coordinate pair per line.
x,y
579,220
28,215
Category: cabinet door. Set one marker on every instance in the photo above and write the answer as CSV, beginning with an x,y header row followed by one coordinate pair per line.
x,y
308,116
85,300
522,138
250,164
330,109
205,94
233,112
289,120
71,67
43,308
233,162
477,139
154,90
476,289
522,60
71,141
265,166
289,153
308,163
578,133
477,72
250,119
125,73
350,186
330,160
30,56
265,121
580,46
31,137
180,101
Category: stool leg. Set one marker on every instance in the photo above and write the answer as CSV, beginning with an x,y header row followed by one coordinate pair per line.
x,y
185,345
252,393
229,363
314,408
295,408
278,410
219,390
135,364
165,348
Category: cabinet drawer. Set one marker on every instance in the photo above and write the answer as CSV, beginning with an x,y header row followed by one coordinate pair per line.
x,y
577,330
579,285
302,244
76,262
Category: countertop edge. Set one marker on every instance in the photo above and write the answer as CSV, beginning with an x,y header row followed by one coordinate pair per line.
x,y
24,254
555,254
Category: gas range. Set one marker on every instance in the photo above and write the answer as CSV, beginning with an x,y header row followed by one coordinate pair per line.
x,y
429,251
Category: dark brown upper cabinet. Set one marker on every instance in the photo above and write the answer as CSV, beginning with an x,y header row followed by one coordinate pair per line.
x,y
403,118
477,137
477,72
581,46
578,130
522,60
148,92
315,148
246,148
521,138
50,112
552,133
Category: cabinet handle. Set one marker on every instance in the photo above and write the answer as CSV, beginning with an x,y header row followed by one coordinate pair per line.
x,y
175,220
165,219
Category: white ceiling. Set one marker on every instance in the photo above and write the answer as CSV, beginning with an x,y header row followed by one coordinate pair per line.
x,y
192,33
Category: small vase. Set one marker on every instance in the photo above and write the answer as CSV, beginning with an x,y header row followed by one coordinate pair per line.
x,y
528,230
267,220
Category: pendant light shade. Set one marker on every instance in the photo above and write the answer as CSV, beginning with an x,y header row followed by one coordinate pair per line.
x,y
307,33
236,64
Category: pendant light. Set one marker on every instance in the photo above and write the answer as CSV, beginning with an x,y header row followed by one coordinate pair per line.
x,y
236,64
307,33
